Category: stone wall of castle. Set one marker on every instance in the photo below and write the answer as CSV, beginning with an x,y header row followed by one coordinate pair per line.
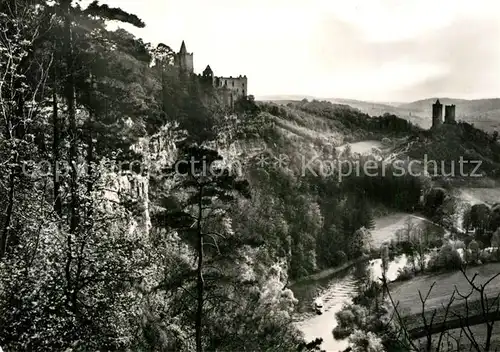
x,y
237,85
230,89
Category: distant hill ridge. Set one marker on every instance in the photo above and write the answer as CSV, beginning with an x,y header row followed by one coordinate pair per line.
x,y
483,113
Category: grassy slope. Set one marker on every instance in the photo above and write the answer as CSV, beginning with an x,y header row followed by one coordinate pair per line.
x,y
305,126
473,196
407,292
387,226
378,109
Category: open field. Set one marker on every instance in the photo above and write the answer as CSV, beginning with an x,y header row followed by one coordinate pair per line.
x,y
387,226
406,293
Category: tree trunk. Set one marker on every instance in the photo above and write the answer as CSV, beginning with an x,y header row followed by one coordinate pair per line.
x,y
69,91
90,155
55,153
200,283
11,131
8,214
69,94
89,206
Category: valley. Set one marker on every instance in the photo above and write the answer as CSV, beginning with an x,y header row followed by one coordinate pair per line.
x,y
150,202
337,291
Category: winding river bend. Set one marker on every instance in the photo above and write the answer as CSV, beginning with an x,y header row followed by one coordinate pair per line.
x,y
338,290
335,292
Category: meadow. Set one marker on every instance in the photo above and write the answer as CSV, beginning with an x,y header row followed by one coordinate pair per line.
x,y
407,293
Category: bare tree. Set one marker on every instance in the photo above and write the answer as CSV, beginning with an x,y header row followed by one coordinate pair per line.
x,y
22,79
462,311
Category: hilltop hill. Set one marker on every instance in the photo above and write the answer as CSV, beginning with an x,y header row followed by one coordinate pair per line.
x,y
378,109
336,124
483,113
304,124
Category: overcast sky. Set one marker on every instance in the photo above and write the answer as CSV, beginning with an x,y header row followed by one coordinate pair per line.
x,y
379,50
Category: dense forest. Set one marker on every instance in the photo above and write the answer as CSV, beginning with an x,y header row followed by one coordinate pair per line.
x,y
109,241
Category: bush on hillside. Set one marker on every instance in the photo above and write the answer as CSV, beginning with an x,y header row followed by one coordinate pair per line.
x,y
472,253
447,258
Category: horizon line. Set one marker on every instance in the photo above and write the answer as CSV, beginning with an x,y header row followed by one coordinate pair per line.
x,y
308,97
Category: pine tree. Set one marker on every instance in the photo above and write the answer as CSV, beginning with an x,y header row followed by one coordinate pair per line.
x,y
209,191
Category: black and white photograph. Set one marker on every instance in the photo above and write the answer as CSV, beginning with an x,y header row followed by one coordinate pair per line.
x,y
249,176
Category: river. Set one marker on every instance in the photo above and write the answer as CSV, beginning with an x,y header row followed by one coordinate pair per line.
x,y
335,292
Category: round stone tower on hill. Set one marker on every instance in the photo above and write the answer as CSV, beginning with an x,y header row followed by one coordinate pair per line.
x,y
437,113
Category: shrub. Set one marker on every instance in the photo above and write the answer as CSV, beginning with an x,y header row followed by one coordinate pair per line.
x,y
405,273
448,258
489,255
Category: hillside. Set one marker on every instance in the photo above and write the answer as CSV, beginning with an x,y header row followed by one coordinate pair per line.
x,y
340,123
483,113
447,144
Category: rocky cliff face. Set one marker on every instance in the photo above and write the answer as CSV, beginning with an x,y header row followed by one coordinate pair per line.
x,y
133,185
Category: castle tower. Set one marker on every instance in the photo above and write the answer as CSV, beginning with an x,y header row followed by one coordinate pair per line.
x,y
207,76
449,114
207,72
184,60
437,113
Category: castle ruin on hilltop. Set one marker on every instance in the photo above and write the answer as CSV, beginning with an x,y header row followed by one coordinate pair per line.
x,y
229,88
437,114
